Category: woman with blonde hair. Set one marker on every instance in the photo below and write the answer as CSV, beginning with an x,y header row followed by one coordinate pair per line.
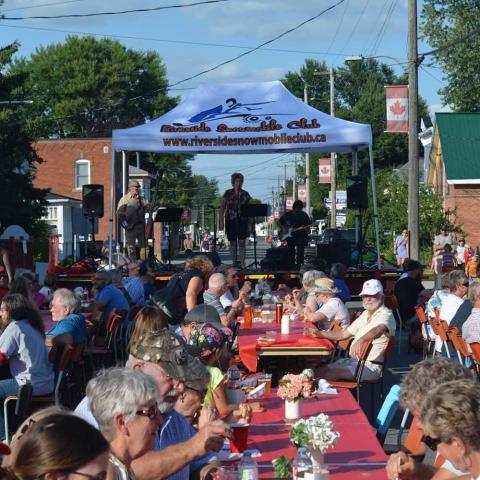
x,y
148,319
59,446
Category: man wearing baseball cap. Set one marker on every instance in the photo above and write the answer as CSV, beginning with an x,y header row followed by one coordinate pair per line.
x,y
376,323
180,451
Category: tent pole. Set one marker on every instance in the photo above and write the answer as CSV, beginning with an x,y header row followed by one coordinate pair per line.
x,y
110,220
375,206
357,211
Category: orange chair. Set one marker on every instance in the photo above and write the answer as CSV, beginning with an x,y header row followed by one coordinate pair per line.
x,y
413,442
428,343
440,331
355,383
391,302
459,344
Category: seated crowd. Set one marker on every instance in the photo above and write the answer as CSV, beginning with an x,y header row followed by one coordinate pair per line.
x,y
166,412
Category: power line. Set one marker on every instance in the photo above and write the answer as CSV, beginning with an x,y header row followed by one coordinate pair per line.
x,y
149,95
41,5
356,25
450,44
120,12
339,24
261,45
165,40
381,33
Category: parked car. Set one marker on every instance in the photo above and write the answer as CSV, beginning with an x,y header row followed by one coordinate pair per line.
x,y
330,235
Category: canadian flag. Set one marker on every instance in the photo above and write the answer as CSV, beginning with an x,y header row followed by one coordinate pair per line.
x,y
324,170
397,108
301,192
289,203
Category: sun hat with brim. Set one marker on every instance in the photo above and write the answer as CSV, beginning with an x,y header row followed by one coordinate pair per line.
x,y
169,351
325,285
371,287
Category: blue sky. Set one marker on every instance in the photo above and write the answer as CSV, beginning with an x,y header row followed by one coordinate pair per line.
x,y
192,39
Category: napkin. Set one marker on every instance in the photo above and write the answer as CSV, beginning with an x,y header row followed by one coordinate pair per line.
x,y
325,387
257,392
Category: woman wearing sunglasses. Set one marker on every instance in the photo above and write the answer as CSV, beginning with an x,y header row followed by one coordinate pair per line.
x,y
59,446
451,422
124,403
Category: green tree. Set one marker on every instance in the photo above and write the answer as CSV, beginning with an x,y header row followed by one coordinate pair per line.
x,y
21,204
206,195
443,23
86,87
392,197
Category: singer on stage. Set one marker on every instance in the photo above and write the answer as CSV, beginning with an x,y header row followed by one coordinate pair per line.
x,y
131,214
236,227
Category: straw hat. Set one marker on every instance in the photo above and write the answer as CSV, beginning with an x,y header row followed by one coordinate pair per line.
x,y
325,285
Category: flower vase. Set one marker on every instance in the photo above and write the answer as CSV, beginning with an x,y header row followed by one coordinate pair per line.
x,y
293,409
320,471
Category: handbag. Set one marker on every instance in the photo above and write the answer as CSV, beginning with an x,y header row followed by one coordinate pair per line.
x,y
164,298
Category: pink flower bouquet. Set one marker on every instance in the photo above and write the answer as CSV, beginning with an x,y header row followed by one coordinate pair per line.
x,y
292,387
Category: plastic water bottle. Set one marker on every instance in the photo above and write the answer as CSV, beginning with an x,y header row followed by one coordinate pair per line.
x,y
302,466
247,468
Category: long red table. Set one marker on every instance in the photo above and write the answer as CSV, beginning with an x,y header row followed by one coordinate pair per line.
x,y
293,344
358,454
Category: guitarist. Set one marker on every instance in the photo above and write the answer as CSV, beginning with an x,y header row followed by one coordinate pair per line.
x,y
296,222
131,211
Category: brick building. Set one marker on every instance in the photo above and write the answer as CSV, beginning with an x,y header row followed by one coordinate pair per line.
x,y
68,164
454,170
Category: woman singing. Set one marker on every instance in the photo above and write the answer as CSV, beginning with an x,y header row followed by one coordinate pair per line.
x,y
236,226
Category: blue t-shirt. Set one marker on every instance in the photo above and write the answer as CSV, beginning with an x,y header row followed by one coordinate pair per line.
x,y
73,324
344,295
114,298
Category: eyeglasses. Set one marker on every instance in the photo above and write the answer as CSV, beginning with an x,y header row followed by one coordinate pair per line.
x,y
200,393
430,442
99,476
151,412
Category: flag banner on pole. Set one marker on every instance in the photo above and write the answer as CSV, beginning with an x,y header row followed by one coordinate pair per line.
x,y
301,192
397,108
324,170
289,203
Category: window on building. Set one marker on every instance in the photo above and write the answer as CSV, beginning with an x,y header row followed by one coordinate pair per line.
x,y
82,173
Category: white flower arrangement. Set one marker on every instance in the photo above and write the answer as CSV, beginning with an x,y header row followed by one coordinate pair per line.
x,y
314,433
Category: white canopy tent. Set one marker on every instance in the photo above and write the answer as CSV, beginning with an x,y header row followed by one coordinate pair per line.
x,y
245,118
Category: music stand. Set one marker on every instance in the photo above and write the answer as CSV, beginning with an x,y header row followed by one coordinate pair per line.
x,y
254,210
168,215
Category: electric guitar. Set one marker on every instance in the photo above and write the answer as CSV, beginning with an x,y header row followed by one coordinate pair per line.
x,y
291,230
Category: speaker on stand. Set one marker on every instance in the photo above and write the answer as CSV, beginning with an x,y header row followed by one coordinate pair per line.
x,y
92,205
357,199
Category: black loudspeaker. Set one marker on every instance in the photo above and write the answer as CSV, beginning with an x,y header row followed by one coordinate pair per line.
x,y
278,258
254,210
92,200
357,193
339,251
213,256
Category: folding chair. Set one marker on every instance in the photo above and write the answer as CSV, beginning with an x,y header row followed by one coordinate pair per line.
x,y
428,343
391,302
459,345
387,412
440,331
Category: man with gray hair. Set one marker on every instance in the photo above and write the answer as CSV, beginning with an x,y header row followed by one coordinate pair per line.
x,y
415,387
71,327
217,286
180,451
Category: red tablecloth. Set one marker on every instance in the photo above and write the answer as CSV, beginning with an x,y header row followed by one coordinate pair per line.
x,y
358,454
247,341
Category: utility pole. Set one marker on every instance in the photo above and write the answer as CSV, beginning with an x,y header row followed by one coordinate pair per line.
x,y
307,161
333,166
413,183
294,180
